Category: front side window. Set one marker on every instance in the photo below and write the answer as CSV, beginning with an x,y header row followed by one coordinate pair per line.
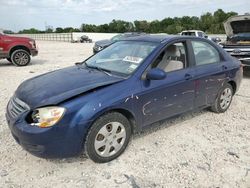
x,y
173,58
205,53
122,57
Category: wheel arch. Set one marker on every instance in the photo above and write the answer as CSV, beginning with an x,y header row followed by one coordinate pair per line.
x,y
129,115
19,47
234,86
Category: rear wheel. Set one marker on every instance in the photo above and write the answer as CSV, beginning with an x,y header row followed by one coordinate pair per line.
x,y
20,57
108,137
223,99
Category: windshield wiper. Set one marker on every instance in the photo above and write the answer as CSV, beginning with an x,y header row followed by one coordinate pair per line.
x,y
82,65
108,72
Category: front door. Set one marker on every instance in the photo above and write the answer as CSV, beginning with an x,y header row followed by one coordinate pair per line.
x,y
161,99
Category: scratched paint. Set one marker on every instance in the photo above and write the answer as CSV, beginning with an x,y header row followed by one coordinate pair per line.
x,y
189,91
132,97
144,108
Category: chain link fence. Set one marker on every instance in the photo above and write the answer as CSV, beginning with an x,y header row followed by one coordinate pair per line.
x,y
64,37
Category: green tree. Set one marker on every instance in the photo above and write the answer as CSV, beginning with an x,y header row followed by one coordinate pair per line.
x,y
59,30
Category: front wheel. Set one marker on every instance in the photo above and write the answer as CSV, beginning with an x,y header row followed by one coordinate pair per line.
x,y
223,99
108,137
20,57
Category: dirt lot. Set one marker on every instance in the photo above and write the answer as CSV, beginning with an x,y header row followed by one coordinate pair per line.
x,y
199,149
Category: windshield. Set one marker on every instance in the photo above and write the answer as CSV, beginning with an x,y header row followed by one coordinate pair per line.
x,y
122,57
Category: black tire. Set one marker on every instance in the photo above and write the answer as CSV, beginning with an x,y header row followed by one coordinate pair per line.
x,y
104,123
20,57
9,59
217,106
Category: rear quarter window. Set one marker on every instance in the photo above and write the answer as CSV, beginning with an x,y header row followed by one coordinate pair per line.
x,y
205,53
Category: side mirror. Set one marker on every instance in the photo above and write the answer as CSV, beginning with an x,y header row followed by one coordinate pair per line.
x,y
156,74
206,36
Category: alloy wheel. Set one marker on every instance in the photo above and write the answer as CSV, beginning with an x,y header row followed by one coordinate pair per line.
x,y
225,98
21,58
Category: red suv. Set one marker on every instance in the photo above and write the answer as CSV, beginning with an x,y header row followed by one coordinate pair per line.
x,y
17,50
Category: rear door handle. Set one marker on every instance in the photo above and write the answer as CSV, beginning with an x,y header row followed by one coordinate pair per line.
x,y
188,76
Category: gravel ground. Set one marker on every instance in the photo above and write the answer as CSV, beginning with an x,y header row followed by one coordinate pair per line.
x,y
199,149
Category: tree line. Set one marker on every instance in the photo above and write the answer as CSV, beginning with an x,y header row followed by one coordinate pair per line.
x,y
211,23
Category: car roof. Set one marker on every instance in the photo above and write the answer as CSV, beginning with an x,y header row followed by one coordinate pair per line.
x,y
153,38
192,31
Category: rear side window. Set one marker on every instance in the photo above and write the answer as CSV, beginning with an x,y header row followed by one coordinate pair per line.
x,y
205,53
200,34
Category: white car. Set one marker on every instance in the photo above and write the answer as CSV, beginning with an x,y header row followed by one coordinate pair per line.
x,y
196,33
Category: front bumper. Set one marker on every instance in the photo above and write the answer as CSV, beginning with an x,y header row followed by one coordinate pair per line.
x,y
33,52
58,141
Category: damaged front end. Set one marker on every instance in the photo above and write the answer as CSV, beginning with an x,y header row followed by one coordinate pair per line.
x,y
237,29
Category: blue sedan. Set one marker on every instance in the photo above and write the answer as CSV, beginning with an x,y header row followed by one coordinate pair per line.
x,y
96,105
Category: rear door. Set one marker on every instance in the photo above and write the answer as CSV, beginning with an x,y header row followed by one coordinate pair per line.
x,y
210,72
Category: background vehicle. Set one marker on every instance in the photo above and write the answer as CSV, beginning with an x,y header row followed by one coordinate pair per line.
x,y
85,38
17,49
121,90
237,29
201,34
101,44
195,33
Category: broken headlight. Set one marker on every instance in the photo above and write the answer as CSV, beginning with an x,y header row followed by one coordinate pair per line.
x,y
47,116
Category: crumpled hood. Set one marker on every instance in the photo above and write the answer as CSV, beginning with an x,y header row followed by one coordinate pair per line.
x,y
237,24
104,43
57,86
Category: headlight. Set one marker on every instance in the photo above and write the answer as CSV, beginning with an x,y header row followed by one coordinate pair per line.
x,y
99,48
47,116
33,43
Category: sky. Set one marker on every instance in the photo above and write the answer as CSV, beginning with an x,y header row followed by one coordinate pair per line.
x,y
16,15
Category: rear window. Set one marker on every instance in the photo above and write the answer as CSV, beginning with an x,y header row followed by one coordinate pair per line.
x,y
188,33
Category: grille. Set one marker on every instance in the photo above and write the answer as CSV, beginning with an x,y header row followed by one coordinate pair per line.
x,y
16,107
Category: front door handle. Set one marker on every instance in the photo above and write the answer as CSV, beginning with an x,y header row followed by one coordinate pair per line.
x,y
188,76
